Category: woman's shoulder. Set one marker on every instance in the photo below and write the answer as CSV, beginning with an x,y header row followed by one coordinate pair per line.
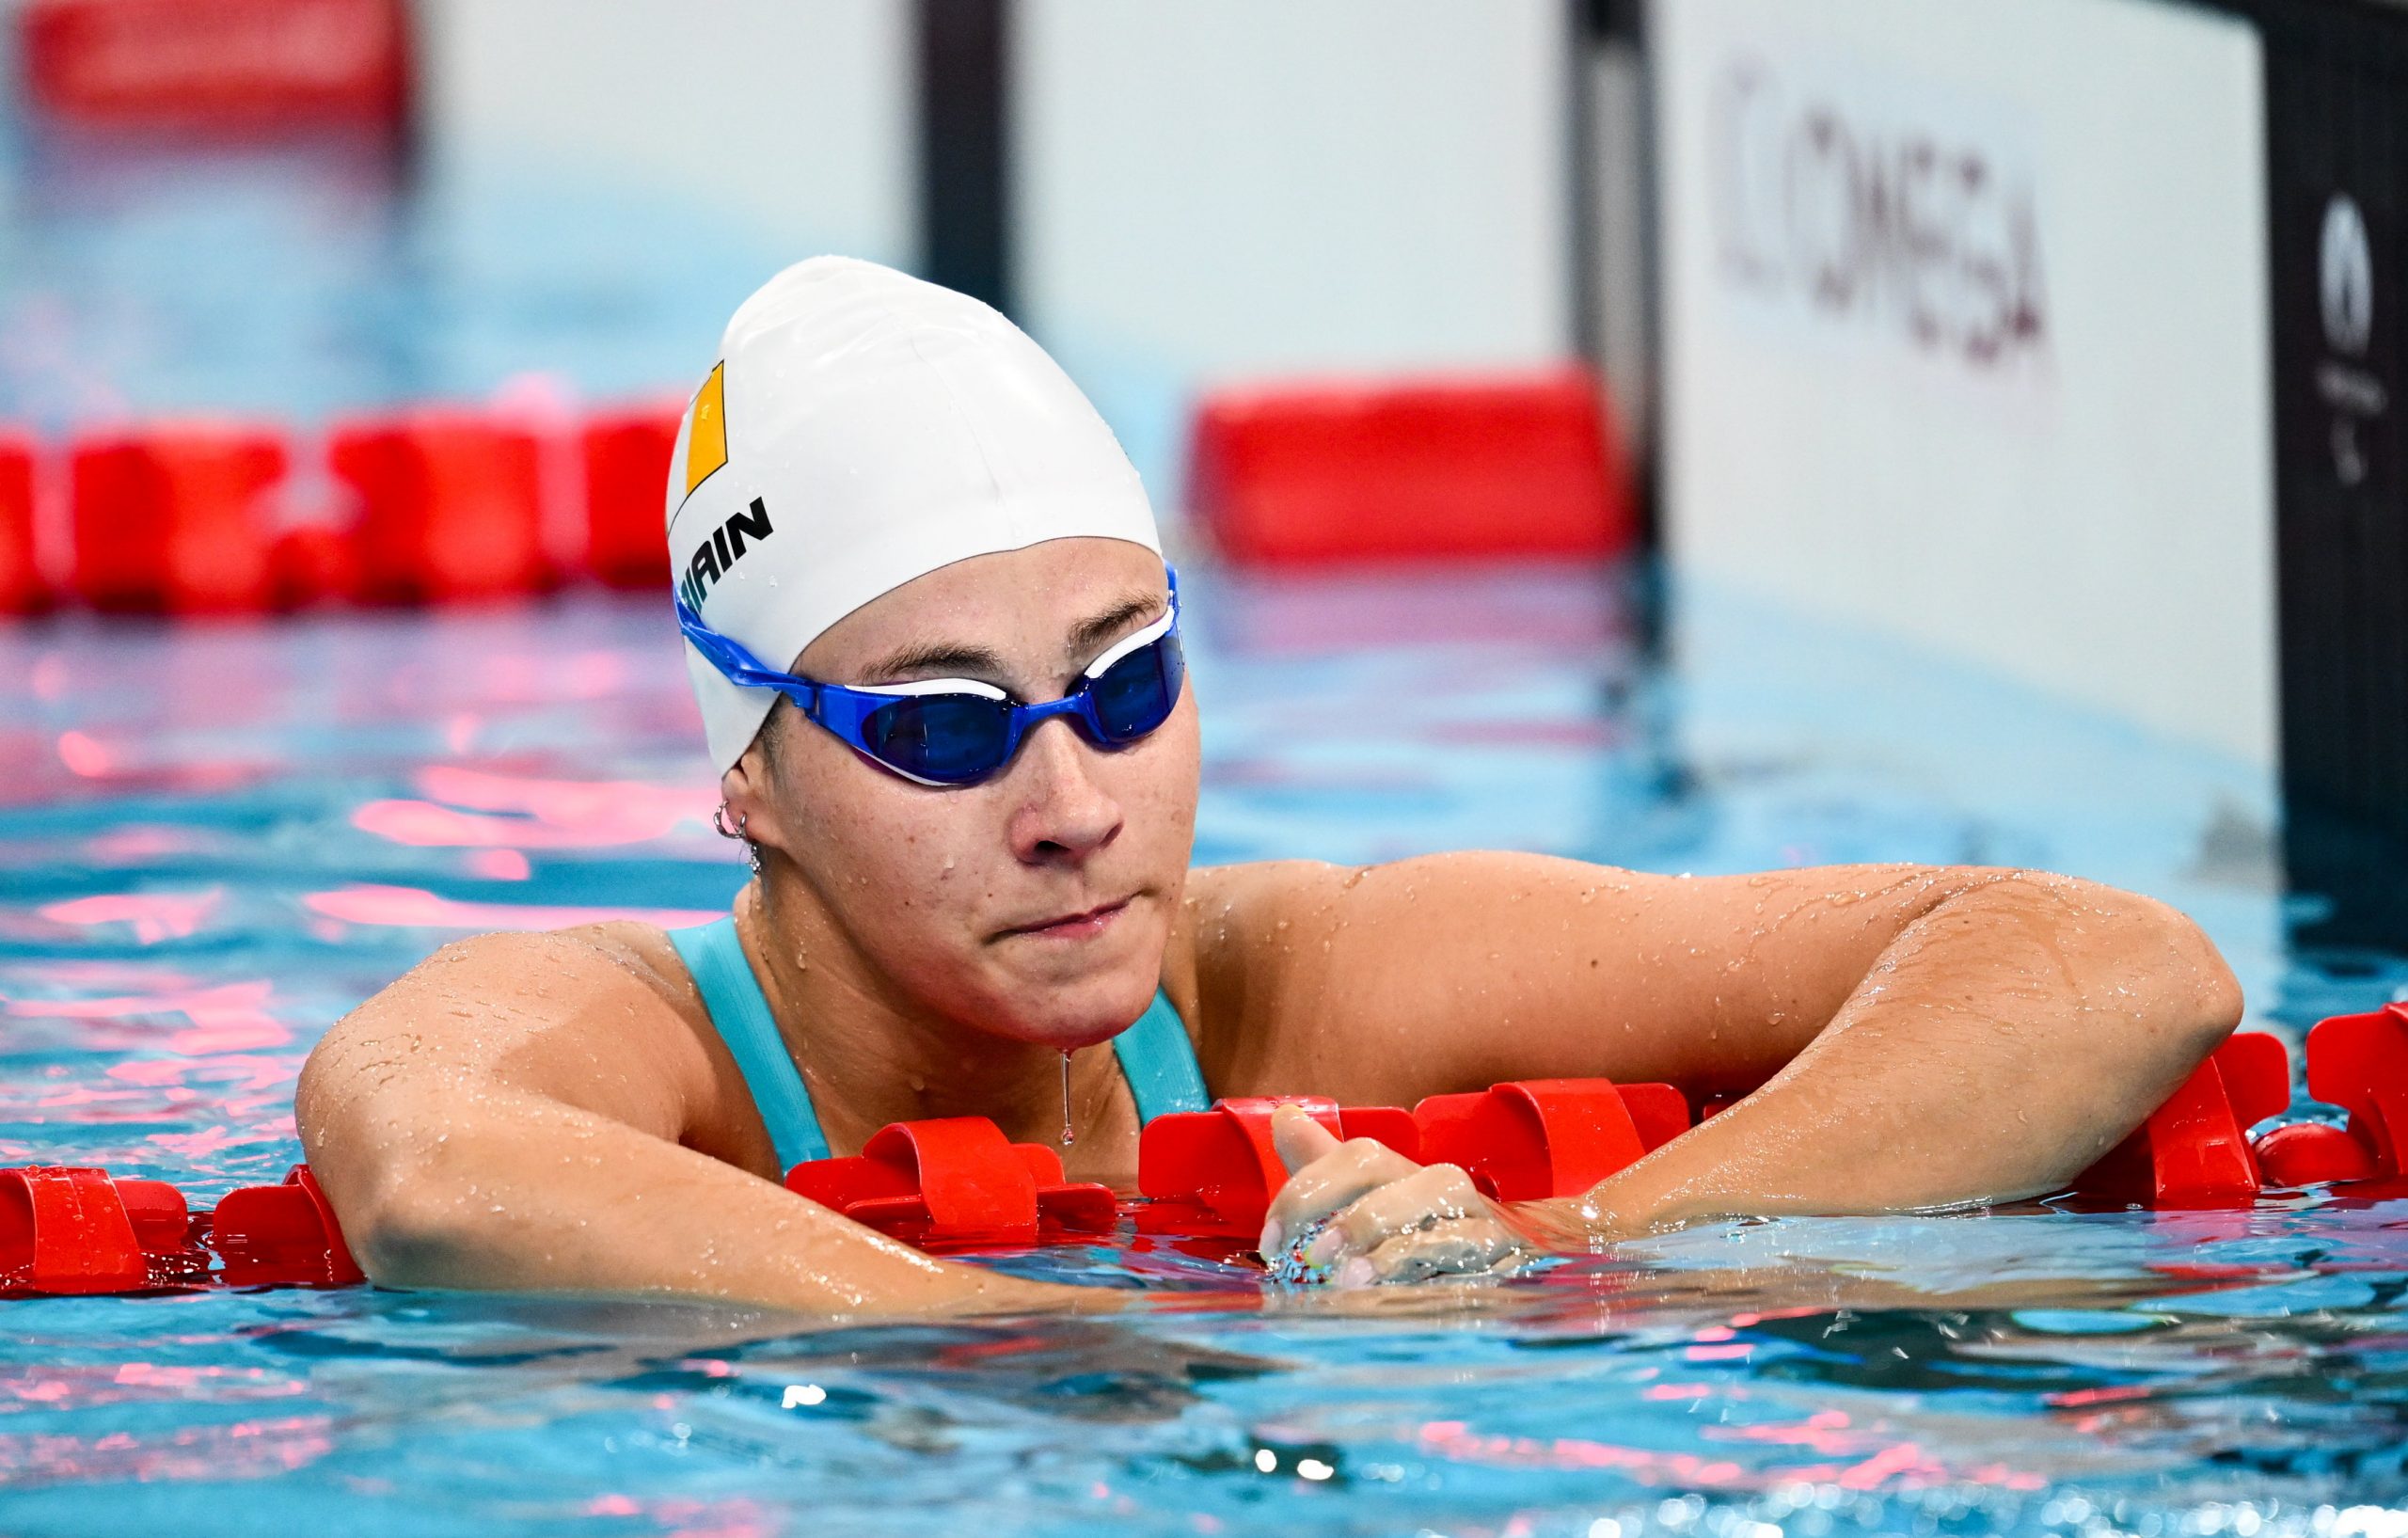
x,y
1232,956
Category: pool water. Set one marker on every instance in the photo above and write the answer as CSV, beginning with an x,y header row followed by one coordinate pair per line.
x,y
217,838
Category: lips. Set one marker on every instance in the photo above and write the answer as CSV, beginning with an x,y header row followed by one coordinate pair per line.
x,y
1078,926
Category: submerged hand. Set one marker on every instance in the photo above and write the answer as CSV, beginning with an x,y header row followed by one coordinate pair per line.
x,y
1359,1212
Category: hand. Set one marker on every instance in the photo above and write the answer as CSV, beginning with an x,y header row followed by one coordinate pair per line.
x,y
1359,1212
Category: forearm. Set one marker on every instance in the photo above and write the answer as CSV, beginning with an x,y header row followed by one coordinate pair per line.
x,y
2002,1042
529,1194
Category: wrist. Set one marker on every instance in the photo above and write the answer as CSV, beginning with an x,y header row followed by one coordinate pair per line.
x,y
1587,1222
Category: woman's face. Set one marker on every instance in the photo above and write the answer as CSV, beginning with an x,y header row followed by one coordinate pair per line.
x,y
1034,905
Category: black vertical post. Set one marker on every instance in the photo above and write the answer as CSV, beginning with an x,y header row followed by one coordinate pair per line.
x,y
2336,104
1583,29
965,147
1613,222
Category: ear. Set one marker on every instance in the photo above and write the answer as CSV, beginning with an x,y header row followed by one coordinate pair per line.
x,y
750,789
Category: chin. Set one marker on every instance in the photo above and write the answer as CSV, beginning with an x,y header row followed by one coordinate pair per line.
x,y
1068,1013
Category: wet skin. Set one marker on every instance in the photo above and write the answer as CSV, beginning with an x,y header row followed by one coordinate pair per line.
x,y
554,1111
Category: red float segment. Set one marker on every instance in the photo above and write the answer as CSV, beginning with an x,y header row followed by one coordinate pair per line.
x,y
1536,1138
627,477
2360,1063
955,1181
226,66
22,588
282,1236
176,518
2313,1153
449,504
2256,1073
72,1230
1221,1168
2194,1149
313,564
1519,466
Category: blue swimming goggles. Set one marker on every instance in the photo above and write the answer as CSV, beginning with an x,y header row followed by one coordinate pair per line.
x,y
960,731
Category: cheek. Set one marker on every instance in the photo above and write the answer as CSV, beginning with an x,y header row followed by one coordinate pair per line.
x,y
879,851
888,854
1160,800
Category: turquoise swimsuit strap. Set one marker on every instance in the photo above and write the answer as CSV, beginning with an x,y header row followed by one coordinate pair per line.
x,y
1155,1056
733,997
1159,1062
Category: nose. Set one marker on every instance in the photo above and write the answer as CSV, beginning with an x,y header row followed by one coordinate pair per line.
x,y
1063,816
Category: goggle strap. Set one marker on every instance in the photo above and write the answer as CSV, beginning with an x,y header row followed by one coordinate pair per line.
x,y
739,666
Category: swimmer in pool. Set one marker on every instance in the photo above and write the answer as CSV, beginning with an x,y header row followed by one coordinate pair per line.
x,y
937,652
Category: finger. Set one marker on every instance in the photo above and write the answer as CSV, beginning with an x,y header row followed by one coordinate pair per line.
x,y
1460,1246
1298,1137
1326,1185
1433,1194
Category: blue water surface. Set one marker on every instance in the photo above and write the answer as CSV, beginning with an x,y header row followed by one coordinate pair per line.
x,y
214,838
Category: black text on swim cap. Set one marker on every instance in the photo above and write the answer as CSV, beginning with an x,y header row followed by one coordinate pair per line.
x,y
722,551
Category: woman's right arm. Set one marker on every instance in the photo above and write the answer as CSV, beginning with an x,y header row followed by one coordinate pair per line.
x,y
513,1115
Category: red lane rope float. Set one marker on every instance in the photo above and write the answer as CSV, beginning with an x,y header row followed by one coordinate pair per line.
x,y
229,69
1519,465
957,1182
1536,1138
23,591
429,505
72,1230
177,519
450,505
2360,1064
2194,1149
1216,1171
627,464
282,1236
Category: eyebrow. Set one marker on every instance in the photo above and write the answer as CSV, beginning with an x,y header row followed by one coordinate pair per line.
x,y
1089,637
947,658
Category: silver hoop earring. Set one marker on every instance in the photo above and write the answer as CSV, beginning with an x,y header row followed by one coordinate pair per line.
x,y
751,850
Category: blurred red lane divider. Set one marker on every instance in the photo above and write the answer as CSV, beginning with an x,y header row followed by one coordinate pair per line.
x,y
243,67
429,505
177,519
22,588
627,465
1523,464
450,505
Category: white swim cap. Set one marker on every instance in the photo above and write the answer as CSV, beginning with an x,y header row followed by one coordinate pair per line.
x,y
863,428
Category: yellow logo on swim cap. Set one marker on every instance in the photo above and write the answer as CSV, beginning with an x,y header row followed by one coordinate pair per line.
x,y
707,436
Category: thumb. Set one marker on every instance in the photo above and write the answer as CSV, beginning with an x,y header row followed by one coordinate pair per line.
x,y
1298,1137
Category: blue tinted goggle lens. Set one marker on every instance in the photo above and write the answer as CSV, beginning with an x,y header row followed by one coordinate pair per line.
x,y
952,738
961,738
1137,693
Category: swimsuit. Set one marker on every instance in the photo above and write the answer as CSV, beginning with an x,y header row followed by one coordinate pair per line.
x,y
1155,1056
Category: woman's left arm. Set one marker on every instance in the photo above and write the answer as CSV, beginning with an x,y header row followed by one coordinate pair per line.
x,y
2001,1044
1922,1035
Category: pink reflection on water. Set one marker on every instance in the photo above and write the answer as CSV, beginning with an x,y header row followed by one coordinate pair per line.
x,y
1454,1439
232,1016
476,808
243,1449
413,908
138,843
154,915
1884,1461
684,1517
83,755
